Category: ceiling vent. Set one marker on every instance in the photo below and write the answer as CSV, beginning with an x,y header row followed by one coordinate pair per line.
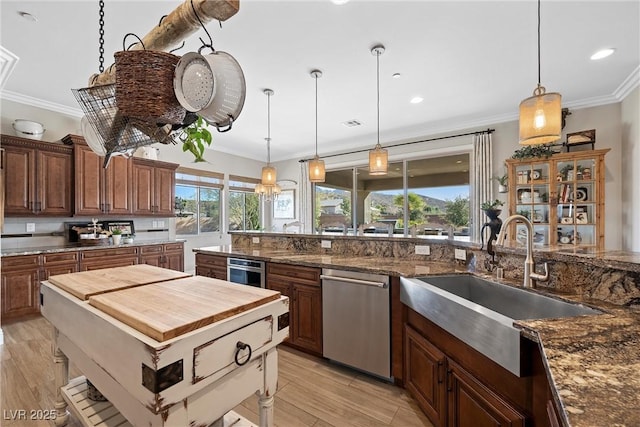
x,y
352,123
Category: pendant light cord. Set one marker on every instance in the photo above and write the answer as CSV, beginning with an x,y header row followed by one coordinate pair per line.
x,y
539,80
268,129
378,91
101,38
316,77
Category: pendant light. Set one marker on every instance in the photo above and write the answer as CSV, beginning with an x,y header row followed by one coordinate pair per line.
x,y
267,186
540,114
316,165
378,157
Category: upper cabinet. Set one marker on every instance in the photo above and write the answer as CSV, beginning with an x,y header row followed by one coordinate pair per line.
x,y
563,196
154,184
38,177
101,191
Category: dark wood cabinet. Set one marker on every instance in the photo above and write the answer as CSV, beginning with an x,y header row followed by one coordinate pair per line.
x,y
425,369
169,255
154,184
101,191
37,177
211,266
472,403
59,263
303,287
20,286
105,258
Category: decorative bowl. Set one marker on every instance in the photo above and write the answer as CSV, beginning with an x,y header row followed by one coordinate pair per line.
x,y
28,129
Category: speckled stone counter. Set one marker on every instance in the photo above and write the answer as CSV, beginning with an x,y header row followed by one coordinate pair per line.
x,y
593,362
70,247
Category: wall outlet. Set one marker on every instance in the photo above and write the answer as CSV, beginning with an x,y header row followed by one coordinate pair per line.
x,y
31,227
154,224
423,250
255,240
325,244
160,224
460,254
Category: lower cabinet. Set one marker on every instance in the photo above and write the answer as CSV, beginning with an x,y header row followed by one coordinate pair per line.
x,y
448,393
60,263
303,287
20,286
169,255
214,266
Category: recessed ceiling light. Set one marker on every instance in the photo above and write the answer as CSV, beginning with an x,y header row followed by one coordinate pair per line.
x,y
603,53
396,75
416,100
339,2
458,161
27,16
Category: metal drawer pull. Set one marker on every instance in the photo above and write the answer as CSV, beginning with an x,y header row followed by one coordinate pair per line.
x,y
239,347
356,281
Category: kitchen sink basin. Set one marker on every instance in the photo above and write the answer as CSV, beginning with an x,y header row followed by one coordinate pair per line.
x,y
481,313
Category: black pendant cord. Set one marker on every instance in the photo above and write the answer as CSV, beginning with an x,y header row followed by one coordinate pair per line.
x,y
539,80
101,38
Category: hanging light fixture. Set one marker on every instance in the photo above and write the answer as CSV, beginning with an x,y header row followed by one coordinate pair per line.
x,y
316,165
541,114
378,157
267,186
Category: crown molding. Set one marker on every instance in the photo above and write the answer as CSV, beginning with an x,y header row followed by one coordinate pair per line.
x,y
628,85
8,61
40,103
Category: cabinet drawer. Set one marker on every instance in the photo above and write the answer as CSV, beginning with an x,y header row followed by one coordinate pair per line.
x,y
173,247
308,275
61,257
155,249
219,353
96,254
20,262
211,260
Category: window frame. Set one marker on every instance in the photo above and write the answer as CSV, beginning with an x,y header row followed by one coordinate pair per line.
x,y
201,179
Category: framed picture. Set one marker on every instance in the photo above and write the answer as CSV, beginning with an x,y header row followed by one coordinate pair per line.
x,y
284,206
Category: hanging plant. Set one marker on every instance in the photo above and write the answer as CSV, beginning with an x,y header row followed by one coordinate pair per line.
x,y
194,137
529,151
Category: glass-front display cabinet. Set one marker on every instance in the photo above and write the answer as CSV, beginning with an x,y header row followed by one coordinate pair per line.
x,y
562,196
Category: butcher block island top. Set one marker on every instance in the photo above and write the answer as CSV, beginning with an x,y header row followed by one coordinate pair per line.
x,y
161,303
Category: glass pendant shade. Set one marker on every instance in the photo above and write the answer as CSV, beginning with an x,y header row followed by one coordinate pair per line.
x,y
541,118
268,175
316,170
378,161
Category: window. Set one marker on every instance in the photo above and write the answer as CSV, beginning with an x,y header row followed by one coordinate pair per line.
x,y
244,204
436,192
197,203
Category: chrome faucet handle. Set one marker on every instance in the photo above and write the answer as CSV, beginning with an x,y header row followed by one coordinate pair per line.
x,y
541,277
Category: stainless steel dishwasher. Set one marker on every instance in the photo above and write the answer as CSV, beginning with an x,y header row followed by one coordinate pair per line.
x,y
355,320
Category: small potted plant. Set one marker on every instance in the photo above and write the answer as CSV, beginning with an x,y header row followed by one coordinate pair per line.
x,y
503,183
492,208
194,138
116,235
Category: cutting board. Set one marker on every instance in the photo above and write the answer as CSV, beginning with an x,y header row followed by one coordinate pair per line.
x,y
84,284
169,309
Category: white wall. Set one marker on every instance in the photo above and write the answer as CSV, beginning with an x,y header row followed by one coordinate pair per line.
x,y
630,188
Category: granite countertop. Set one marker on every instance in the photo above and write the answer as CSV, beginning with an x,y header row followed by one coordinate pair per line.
x,y
70,247
593,362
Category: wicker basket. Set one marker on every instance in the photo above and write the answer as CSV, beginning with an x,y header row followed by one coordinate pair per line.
x,y
144,86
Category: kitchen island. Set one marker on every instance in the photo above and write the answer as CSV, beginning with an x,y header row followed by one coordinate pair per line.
x,y
592,363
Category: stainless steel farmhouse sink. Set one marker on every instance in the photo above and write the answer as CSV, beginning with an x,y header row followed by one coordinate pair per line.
x,y
481,313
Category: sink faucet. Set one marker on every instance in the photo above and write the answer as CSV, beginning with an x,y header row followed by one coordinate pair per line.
x,y
529,267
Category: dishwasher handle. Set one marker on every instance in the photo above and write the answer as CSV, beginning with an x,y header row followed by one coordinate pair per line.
x,y
354,281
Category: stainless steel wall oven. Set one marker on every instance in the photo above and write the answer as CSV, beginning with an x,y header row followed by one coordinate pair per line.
x,y
246,272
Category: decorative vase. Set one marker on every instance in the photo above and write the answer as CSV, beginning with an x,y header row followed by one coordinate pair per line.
x,y
494,225
116,238
502,188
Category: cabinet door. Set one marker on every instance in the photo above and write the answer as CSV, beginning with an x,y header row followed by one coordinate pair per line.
x,y
89,182
307,317
424,375
472,404
285,290
117,187
20,163
164,191
212,266
143,189
20,291
174,256
54,183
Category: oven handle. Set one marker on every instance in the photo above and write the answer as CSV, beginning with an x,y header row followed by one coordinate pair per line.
x,y
354,281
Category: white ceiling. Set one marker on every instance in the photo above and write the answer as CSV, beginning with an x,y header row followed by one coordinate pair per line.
x,y
473,62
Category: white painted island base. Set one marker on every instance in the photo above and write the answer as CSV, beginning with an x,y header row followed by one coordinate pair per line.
x,y
194,379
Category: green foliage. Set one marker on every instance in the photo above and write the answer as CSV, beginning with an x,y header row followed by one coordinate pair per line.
x,y
116,231
528,151
194,137
502,180
244,211
457,212
491,205
417,207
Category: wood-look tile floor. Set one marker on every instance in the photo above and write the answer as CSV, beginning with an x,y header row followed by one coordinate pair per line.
x,y
311,392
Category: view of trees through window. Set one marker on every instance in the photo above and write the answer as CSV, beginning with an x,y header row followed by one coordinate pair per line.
x,y
197,209
437,198
244,211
